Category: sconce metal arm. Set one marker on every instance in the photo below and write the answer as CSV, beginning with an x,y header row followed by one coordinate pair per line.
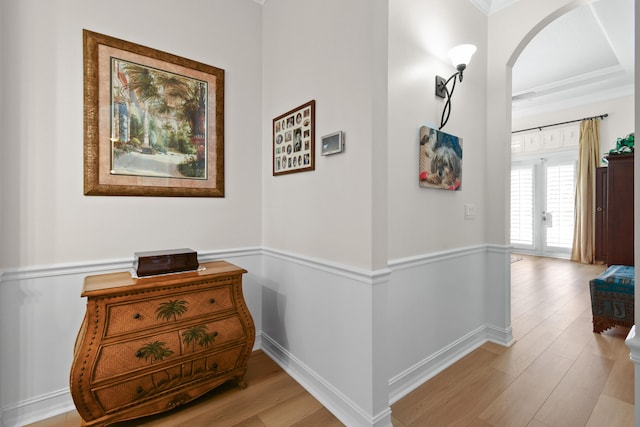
x,y
443,92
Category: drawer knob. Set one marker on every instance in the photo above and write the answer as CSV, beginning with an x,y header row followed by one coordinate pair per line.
x,y
136,316
214,366
212,301
139,353
139,390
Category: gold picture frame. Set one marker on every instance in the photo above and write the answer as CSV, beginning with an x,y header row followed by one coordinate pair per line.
x,y
153,122
294,138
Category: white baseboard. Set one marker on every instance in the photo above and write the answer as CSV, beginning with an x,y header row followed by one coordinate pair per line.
x,y
37,409
416,375
503,337
336,402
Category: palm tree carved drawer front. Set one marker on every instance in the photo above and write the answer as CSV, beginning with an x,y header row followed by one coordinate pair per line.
x,y
145,313
139,389
150,345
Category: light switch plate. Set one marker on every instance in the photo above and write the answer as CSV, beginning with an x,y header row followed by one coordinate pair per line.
x,y
469,211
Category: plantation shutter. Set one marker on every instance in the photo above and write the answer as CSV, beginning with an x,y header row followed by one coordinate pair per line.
x,y
522,205
561,204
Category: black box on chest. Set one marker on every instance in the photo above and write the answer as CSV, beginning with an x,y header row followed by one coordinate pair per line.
x,y
166,261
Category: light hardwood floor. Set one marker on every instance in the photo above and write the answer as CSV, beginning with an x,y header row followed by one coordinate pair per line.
x,y
558,373
272,398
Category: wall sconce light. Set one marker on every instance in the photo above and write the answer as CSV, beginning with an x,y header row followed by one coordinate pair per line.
x,y
460,57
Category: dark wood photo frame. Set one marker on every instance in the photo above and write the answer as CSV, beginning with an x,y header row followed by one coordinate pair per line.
x,y
294,140
153,122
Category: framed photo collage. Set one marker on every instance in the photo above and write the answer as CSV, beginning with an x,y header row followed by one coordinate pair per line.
x,y
294,140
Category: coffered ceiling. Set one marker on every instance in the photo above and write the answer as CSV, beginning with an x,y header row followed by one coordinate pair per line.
x,y
583,57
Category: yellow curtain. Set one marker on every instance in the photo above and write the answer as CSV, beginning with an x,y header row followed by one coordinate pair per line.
x,y
583,249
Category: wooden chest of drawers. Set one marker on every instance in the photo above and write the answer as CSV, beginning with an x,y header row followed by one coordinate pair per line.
x,y
151,344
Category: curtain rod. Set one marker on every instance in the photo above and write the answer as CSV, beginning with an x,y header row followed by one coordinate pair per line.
x,y
601,116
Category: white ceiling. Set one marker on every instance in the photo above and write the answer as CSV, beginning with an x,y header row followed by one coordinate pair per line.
x,y
585,56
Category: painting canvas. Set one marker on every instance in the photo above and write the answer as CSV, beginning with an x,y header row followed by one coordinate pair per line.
x,y
440,160
158,122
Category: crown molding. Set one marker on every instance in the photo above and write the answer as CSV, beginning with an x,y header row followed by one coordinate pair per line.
x,y
491,6
496,5
483,5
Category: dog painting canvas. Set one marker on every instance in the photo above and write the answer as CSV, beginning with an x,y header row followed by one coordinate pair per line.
x,y
440,159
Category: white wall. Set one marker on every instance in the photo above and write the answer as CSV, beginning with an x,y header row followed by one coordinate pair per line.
x,y
437,310
324,298
48,219
364,333
320,323
51,235
618,124
322,51
423,220
322,305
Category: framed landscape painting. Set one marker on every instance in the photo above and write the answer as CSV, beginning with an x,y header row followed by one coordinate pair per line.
x,y
153,122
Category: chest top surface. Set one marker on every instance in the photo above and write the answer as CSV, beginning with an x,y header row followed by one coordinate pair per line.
x,y
123,282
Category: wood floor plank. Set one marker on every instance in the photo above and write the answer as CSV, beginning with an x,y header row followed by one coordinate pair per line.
x,y
493,348
526,350
610,344
251,422
526,323
320,418
469,402
537,423
572,341
291,411
396,422
620,384
573,400
478,423
611,412
238,406
518,404
443,387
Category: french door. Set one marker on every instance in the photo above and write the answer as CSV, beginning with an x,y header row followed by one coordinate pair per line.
x,y
543,204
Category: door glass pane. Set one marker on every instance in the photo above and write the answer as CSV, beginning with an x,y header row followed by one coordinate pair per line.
x,y
522,206
560,203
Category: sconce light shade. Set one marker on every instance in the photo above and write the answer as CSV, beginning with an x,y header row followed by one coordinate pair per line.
x,y
461,54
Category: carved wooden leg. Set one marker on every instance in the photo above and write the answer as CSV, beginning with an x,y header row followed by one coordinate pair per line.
x,y
242,384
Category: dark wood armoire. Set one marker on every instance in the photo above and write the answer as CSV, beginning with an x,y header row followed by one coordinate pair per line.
x,y
614,211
